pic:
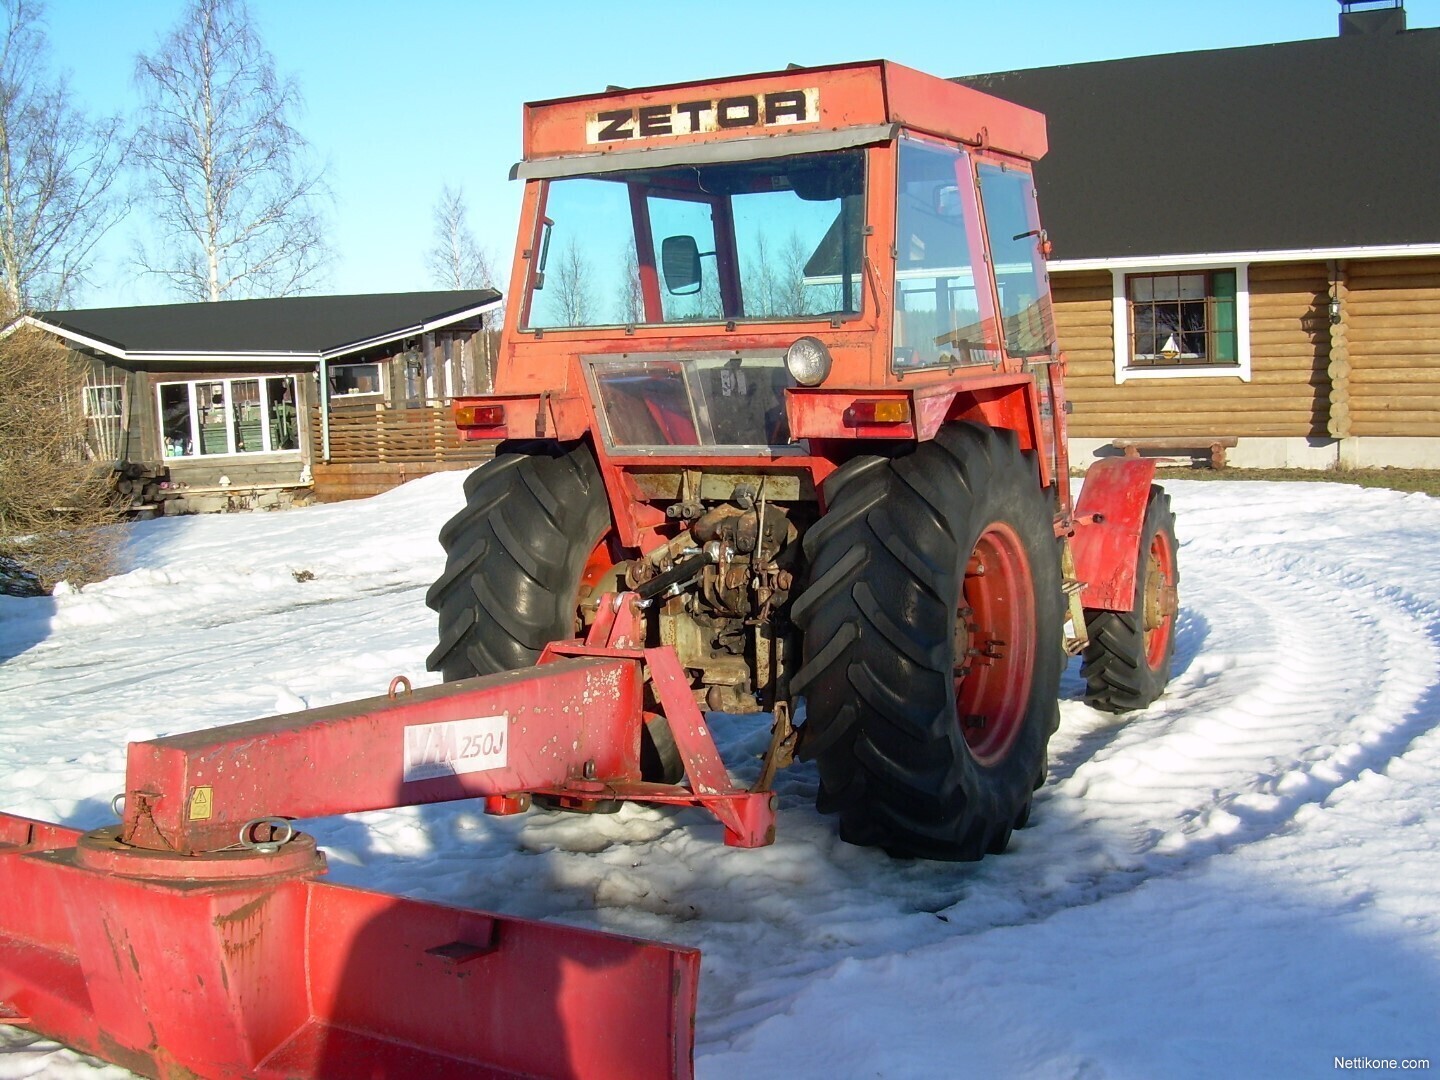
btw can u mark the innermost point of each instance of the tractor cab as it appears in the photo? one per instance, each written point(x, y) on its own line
point(707, 268)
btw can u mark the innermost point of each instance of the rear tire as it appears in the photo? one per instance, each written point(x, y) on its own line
point(924, 749)
point(1127, 663)
point(515, 556)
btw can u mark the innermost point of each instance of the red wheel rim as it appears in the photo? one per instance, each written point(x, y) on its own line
point(995, 642)
point(1160, 599)
point(600, 562)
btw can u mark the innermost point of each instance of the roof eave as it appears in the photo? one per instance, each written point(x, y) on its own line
point(230, 356)
point(1221, 258)
point(410, 331)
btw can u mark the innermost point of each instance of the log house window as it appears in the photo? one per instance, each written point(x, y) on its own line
point(1179, 321)
point(1182, 319)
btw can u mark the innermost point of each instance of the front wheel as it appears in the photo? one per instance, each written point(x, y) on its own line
point(1127, 663)
point(933, 644)
point(516, 559)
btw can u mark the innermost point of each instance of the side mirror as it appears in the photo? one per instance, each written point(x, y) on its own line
point(680, 263)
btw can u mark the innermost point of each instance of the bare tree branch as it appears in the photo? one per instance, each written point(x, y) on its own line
point(456, 260)
point(237, 205)
point(57, 171)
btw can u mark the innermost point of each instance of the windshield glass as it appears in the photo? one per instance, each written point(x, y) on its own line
point(774, 239)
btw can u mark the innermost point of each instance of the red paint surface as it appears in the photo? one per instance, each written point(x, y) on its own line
point(1107, 551)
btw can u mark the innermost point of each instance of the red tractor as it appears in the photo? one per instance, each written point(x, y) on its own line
point(780, 359)
point(782, 418)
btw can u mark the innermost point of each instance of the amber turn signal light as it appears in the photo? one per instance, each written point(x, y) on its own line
point(881, 411)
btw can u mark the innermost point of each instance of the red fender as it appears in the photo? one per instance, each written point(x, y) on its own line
point(1108, 518)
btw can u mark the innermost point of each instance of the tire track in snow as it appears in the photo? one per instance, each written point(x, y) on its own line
point(1308, 676)
point(1326, 679)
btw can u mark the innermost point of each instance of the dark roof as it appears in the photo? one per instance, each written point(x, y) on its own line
point(1307, 144)
point(309, 325)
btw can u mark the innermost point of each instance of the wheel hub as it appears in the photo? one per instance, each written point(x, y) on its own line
point(1162, 599)
point(994, 644)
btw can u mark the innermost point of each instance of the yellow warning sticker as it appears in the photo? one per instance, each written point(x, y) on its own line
point(202, 803)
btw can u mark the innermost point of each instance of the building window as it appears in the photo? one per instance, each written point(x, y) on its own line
point(1183, 318)
point(1174, 322)
point(214, 417)
point(348, 379)
point(103, 402)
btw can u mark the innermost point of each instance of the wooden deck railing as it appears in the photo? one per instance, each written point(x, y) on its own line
point(374, 448)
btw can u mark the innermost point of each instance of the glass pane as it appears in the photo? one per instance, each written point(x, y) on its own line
point(685, 217)
point(1145, 343)
point(1142, 288)
point(584, 253)
point(283, 423)
point(102, 401)
point(245, 409)
point(776, 238)
point(354, 379)
point(210, 399)
point(745, 400)
point(1013, 223)
point(1192, 286)
point(939, 319)
point(1167, 287)
point(1168, 343)
point(175, 419)
point(800, 256)
point(647, 404)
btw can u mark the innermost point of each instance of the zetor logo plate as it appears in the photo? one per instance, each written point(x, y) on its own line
point(779, 108)
point(455, 747)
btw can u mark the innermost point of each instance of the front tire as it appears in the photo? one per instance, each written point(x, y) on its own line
point(1127, 663)
point(515, 559)
point(932, 644)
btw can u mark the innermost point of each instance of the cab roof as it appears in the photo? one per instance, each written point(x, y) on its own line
point(867, 100)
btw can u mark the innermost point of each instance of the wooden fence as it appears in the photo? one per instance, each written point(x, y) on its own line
point(374, 448)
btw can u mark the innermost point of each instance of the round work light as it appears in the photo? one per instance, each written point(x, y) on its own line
point(808, 361)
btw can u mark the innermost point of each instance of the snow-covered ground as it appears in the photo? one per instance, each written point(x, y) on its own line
point(1239, 881)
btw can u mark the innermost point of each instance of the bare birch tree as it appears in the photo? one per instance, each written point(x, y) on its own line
point(630, 296)
point(57, 172)
point(570, 280)
point(236, 201)
point(457, 261)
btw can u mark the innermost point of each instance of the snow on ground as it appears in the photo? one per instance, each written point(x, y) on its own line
point(1238, 881)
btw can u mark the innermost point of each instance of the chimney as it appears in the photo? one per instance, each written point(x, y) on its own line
point(1372, 17)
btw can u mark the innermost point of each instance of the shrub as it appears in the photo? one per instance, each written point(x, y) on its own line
point(58, 513)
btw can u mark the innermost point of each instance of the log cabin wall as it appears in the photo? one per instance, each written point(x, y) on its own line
point(1288, 392)
point(1391, 333)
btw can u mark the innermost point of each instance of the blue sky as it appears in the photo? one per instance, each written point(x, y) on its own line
point(401, 98)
